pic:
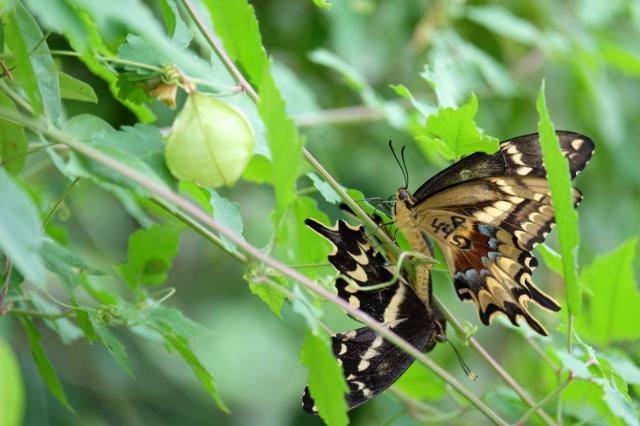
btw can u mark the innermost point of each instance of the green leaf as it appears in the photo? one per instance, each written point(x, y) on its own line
point(306, 309)
point(235, 23)
point(284, 142)
point(181, 345)
point(47, 372)
point(326, 190)
point(624, 367)
point(140, 147)
point(454, 132)
point(425, 109)
point(12, 395)
point(322, 4)
point(273, 297)
point(20, 230)
point(557, 168)
point(297, 243)
point(13, 139)
point(175, 319)
point(62, 18)
point(551, 258)
point(612, 312)
point(227, 214)
point(65, 264)
point(501, 21)
point(151, 252)
point(620, 406)
point(116, 349)
point(573, 364)
point(326, 381)
point(35, 67)
point(77, 90)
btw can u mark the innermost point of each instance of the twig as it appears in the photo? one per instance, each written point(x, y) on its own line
point(504, 375)
point(545, 400)
point(337, 116)
point(165, 193)
point(59, 201)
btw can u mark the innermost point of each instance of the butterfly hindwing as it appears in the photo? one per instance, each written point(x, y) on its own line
point(370, 363)
point(487, 212)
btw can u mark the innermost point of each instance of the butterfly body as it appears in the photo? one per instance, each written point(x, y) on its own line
point(487, 212)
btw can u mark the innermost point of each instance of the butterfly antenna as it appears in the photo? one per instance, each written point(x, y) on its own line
point(470, 374)
point(393, 151)
point(405, 169)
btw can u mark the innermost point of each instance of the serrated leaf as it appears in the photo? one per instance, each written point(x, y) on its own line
point(557, 168)
point(612, 313)
point(35, 68)
point(151, 252)
point(327, 192)
point(12, 395)
point(116, 349)
point(63, 327)
point(454, 132)
point(13, 140)
point(181, 346)
point(176, 320)
point(20, 230)
point(624, 367)
point(326, 381)
point(551, 258)
point(227, 214)
point(273, 297)
point(297, 243)
point(284, 142)
point(140, 147)
point(61, 17)
point(573, 364)
point(619, 405)
point(303, 306)
point(65, 264)
point(77, 90)
point(423, 108)
point(47, 372)
point(235, 23)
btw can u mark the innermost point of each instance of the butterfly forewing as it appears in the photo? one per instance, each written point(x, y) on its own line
point(520, 156)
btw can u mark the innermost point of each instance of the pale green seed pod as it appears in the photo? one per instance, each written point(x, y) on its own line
point(210, 142)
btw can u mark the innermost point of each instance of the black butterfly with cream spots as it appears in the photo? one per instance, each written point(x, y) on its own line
point(487, 212)
point(370, 363)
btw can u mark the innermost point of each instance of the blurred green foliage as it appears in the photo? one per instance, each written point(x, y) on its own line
point(353, 74)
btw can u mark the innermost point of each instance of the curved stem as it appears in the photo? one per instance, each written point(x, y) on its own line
point(504, 375)
point(59, 201)
point(249, 250)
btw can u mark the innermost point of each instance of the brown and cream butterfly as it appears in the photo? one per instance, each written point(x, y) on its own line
point(487, 212)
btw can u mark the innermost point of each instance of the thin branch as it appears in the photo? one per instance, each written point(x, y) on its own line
point(185, 204)
point(544, 401)
point(59, 201)
point(204, 232)
point(43, 315)
point(246, 86)
point(504, 375)
point(337, 116)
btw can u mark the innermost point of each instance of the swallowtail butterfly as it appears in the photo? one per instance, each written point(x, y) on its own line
point(370, 363)
point(487, 212)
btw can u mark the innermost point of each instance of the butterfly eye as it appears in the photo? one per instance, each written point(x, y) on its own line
point(402, 195)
